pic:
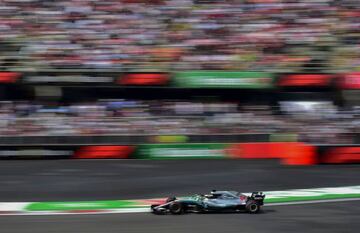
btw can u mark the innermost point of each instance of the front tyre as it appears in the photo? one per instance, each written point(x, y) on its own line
point(176, 208)
point(252, 207)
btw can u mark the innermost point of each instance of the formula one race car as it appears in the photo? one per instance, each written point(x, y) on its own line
point(216, 201)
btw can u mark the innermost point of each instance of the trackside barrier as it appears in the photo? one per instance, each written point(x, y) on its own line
point(300, 154)
point(182, 151)
point(338, 154)
point(66, 152)
point(290, 153)
point(103, 152)
point(343, 155)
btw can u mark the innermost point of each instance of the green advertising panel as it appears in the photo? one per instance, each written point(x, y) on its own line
point(183, 151)
point(224, 79)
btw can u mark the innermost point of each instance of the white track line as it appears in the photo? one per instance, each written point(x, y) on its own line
point(313, 202)
point(146, 210)
point(13, 206)
point(113, 211)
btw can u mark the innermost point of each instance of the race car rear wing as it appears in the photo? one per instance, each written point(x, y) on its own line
point(258, 197)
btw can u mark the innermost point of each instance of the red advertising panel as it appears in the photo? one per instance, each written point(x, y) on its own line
point(144, 79)
point(290, 153)
point(9, 77)
point(306, 80)
point(350, 81)
point(104, 152)
point(342, 155)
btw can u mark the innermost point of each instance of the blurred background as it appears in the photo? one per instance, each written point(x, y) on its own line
point(177, 79)
point(135, 67)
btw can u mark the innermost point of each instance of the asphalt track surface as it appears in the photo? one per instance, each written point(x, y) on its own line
point(340, 217)
point(74, 180)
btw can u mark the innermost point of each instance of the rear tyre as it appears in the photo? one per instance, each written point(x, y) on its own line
point(176, 208)
point(252, 207)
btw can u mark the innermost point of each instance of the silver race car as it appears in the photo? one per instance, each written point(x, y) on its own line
point(216, 201)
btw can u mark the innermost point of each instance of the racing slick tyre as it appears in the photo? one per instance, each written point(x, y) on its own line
point(176, 208)
point(252, 207)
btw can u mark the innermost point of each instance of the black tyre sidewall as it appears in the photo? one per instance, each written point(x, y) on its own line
point(250, 207)
point(176, 208)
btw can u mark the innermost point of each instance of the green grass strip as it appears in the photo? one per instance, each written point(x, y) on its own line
point(96, 205)
point(83, 205)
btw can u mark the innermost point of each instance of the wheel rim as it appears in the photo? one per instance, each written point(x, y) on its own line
point(176, 208)
point(253, 208)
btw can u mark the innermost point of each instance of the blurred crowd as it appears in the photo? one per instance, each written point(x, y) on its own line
point(270, 35)
point(169, 117)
